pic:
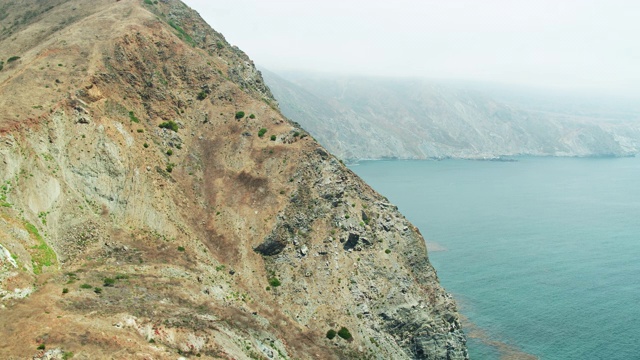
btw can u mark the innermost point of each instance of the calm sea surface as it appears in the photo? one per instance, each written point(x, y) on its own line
point(542, 254)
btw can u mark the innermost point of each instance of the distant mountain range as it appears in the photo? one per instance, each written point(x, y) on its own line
point(376, 118)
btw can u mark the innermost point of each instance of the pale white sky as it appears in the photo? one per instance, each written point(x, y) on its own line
point(574, 44)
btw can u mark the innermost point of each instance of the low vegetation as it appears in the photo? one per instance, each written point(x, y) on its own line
point(4, 190)
point(170, 125)
point(239, 115)
point(42, 255)
point(133, 117)
point(262, 132)
point(344, 333)
point(182, 34)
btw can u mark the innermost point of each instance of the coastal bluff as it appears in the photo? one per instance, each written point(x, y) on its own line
point(156, 204)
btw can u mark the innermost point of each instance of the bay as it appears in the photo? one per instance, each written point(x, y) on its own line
point(541, 254)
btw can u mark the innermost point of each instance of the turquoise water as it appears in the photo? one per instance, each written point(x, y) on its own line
point(542, 254)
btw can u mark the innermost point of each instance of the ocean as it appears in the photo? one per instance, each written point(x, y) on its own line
point(542, 254)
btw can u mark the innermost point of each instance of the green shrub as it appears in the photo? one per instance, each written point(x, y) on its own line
point(180, 248)
point(97, 290)
point(170, 167)
point(67, 355)
point(65, 290)
point(12, 59)
point(148, 2)
point(85, 286)
point(169, 152)
point(296, 134)
point(252, 116)
point(108, 282)
point(1, 65)
point(145, 145)
point(274, 282)
point(387, 251)
point(344, 333)
point(133, 118)
point(41, 347)
point(239, 115)
point(262, 132)
point(331, 334)
point(273, 138)
point(202, 95)
point(219, 45)
point(140, 130)
point(171, 125)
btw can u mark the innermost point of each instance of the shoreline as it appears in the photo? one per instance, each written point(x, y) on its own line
point(506, 351)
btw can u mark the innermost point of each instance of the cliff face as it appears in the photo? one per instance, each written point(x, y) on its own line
point(369, 118)
point(155, 202)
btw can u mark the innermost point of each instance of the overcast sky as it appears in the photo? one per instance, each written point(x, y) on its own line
point(576, 44)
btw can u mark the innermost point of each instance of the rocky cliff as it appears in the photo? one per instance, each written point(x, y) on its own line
point(155, 204)
point(375, 118)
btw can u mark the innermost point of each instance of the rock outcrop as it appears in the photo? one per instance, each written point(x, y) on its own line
point(155, 203)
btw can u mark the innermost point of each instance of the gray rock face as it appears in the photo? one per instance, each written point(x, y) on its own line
point(391, 287)
point(422, 338)
point(366, 118)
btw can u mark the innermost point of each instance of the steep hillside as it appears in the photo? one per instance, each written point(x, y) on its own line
point(156, 204)
point(369, 118)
